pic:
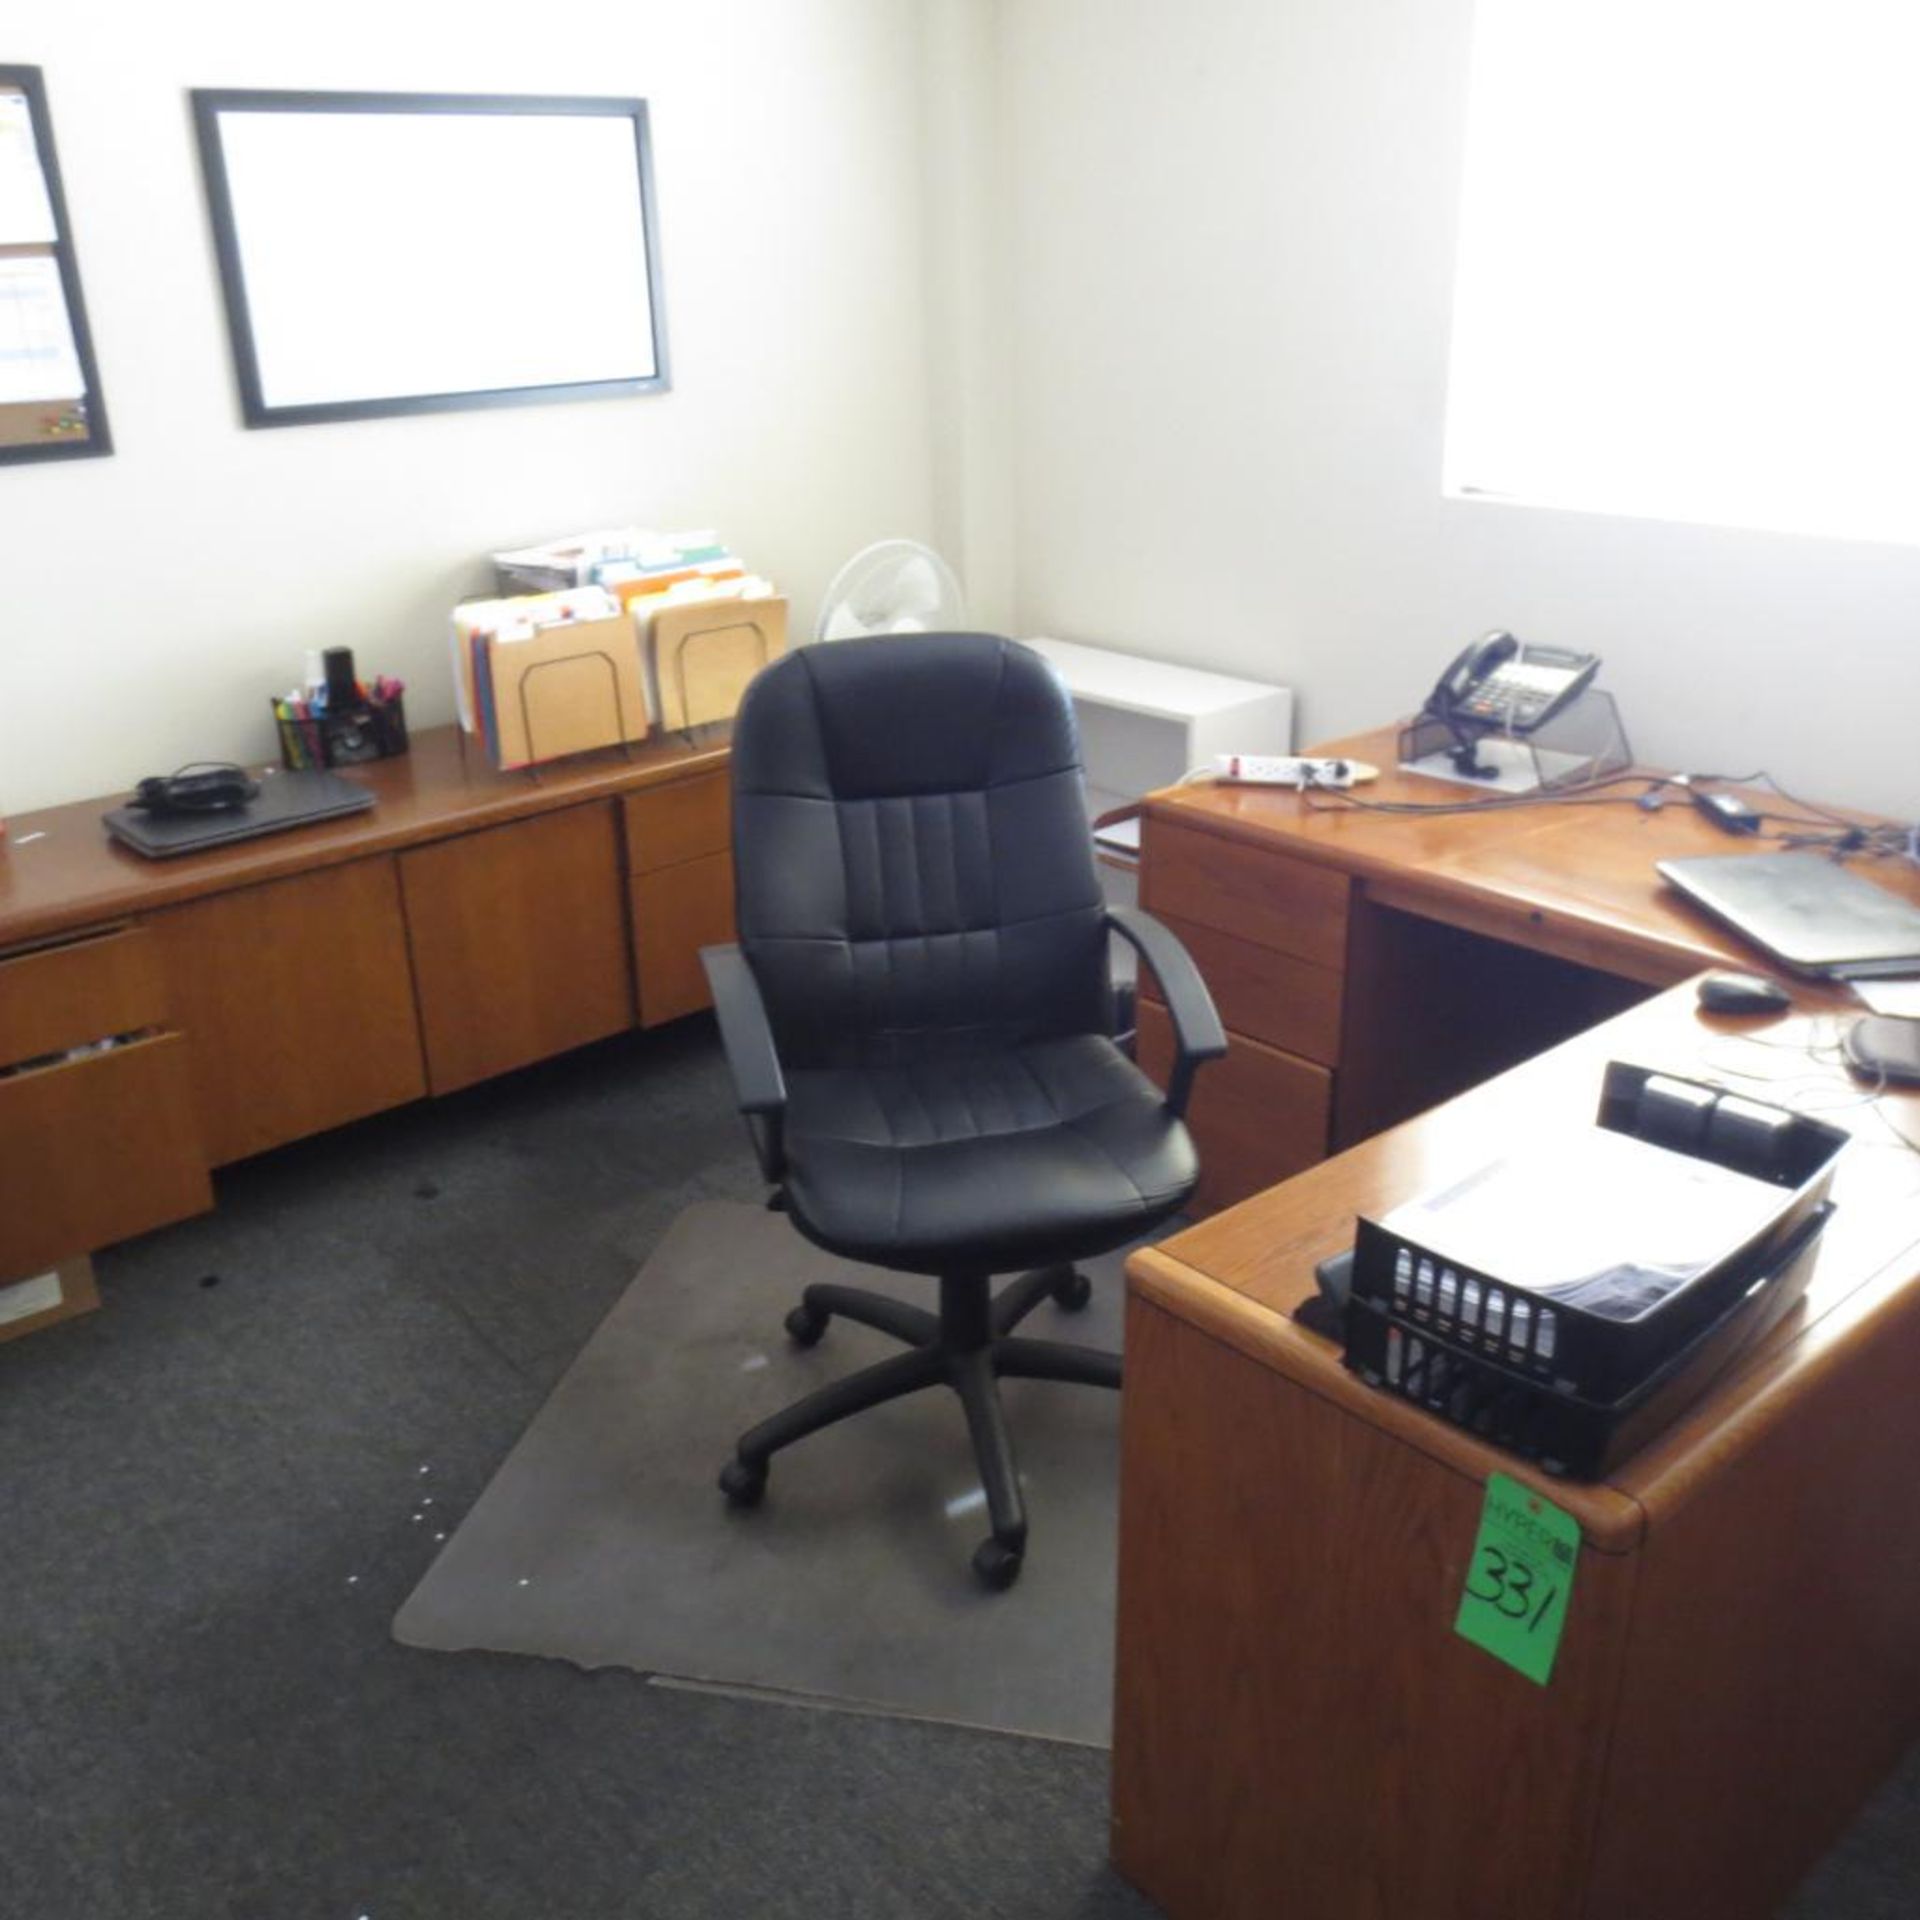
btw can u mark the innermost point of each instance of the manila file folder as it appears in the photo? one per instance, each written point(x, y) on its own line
point(568, 689)
point(705, 652)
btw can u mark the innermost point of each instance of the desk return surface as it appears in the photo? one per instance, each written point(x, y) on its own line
point(472, 922)
point(1299, 1730)
point(1369, 965)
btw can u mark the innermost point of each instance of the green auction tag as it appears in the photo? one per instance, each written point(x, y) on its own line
point(1515, 1601)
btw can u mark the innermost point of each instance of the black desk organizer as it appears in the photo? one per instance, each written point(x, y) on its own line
point(1573, 1390)
point(369, 729)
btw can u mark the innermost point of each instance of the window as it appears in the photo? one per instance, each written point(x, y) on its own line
point(1688, 280)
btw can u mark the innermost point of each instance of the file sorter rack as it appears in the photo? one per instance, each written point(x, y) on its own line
point(1565, 1432)
point(623, 724)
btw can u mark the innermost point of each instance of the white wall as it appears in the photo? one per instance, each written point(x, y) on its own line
point(967, 252)
point(1139, 313)
point(1232, 231)
point(151, 602)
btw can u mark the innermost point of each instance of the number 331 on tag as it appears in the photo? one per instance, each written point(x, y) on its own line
point(1520, 1578)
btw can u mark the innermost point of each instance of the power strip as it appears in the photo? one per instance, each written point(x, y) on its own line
point(1289, 770)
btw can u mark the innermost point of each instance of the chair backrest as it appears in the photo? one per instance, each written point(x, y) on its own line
point(913, 870)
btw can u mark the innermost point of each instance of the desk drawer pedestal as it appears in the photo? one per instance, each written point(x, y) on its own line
point(679, 891)
point(98, 1138)
point(1269, 936)
point(1256, 1116)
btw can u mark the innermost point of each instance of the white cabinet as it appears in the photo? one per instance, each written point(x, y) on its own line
point(1143, 723)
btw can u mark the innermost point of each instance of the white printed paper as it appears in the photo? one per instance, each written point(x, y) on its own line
point(38, 360)
point(26, 213)
point(1594, 1218)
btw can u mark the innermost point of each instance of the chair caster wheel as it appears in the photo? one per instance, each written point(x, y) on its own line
point(804, 1326)
point(1071, 1293)
point(996, 1565)
point(743, 1482)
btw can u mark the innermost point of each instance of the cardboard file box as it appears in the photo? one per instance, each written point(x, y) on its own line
point(42, 1299)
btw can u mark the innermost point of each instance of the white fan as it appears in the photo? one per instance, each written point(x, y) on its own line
point(893, 586)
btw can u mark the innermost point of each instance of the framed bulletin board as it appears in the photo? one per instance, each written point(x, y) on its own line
point(50, 404)
point(406, 253)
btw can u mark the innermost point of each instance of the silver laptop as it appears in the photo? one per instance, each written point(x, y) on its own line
point(1806, 910)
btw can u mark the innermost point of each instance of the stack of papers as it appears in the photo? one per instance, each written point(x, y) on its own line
point(1593, 1219)
point(669, 628)
point(606, 556)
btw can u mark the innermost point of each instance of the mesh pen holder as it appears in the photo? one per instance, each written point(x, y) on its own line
point(370, 729)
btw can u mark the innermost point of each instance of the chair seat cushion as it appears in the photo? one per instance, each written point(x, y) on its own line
point(984, 1160)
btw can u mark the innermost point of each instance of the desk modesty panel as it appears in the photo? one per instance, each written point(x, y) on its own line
point(1368, 965)
point(161, 1018)
point(1298, 1727)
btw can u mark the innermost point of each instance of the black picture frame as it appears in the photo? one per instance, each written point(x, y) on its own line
point(253, 356)
point(62, 444)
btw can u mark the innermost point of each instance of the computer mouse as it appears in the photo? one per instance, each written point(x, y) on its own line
point(1741, 993)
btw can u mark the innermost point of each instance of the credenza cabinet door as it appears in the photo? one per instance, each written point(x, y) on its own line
point(519, 938)
point(677, 911)
point(297, 1000)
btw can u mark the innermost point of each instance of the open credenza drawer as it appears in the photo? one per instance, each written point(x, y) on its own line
point(98, 1134)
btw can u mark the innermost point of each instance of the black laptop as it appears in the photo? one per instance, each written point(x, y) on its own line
point(285, 800)
point(1806, 910)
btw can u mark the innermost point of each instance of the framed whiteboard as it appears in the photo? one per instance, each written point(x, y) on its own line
point(50, 404)
point(408, 253)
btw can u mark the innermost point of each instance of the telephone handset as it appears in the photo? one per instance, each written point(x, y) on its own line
point(1497, 683)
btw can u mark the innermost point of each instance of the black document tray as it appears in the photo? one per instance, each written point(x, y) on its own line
point(1565, 1433)
point(1473, 1347)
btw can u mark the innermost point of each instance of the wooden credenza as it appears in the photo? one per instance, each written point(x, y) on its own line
point(160, 1019)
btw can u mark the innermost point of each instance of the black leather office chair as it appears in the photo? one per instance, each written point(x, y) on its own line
point(918, 1017)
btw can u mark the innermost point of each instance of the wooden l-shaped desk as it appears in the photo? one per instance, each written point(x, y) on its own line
point(1369, 964)
point(1298, 1729)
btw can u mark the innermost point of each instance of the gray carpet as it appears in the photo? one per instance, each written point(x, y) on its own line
point(604, 1541)
point(205, 1494)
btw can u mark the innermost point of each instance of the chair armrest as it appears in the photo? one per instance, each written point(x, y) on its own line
point(1197, 1033)
point(747, 1039)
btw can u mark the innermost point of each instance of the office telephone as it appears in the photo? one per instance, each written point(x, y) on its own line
point(1498, 684)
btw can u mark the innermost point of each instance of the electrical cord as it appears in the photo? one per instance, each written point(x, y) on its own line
point(1826, 1050)
point(1579, 794)
point(1828, 832)
point(202, 786)
point(1812, 828)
